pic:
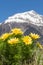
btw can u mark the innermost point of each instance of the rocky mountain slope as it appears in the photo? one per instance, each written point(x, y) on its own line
point(29, 21)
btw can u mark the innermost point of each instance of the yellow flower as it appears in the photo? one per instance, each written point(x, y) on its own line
point(13, 41)
point(34, 36)
point(27, 40)
point(17, 31)
point(5, 36)
point(39, 45)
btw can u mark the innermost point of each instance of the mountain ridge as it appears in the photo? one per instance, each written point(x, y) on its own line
point(32, 16)
point(24, 18)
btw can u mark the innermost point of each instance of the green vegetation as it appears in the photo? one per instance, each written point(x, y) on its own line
point(17, 49)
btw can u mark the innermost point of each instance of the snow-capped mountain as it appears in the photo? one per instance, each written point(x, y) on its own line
point(29, 21)
point(27, 17)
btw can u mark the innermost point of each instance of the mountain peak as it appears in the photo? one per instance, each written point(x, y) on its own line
point(32, 12)
point(28, 17)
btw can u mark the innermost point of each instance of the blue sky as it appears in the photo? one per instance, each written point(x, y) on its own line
point(11, 7)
